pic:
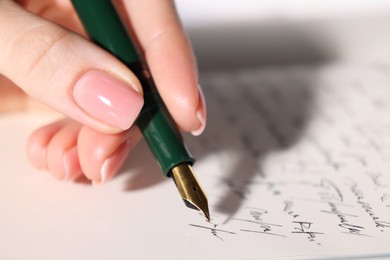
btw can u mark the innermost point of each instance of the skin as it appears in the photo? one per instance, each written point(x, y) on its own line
point(44, 52)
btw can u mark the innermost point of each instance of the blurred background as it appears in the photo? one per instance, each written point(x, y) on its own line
point(228, 34)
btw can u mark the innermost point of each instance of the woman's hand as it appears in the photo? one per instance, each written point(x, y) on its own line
point(43, 55)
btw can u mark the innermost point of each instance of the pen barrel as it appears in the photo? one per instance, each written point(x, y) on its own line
point(158, 127)
point(106, 29)
point(103, 24)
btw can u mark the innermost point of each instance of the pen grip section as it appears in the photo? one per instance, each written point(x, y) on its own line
point(158, 127)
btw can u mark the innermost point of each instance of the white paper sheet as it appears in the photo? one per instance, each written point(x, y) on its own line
point(295, 162)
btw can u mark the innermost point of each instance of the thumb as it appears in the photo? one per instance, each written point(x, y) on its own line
point(66, 71)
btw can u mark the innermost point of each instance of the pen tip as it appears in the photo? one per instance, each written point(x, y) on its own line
point(202, 208)
point(190, 189)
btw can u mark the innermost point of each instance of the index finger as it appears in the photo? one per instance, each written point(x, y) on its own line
point(170, 58)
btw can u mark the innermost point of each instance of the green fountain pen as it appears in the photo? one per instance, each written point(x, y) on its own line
point(103, 24)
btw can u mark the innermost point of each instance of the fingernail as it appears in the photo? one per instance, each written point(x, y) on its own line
point(112, 164)
point(200, 113)
point(71, 164)
point(108, 99)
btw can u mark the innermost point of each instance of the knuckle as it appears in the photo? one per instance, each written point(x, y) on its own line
point(36, 49)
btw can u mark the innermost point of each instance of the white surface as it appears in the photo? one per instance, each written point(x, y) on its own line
point(230, 33)
point(283, 147)
point(205, 13)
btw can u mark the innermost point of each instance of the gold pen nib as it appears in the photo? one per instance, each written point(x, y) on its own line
point(189, 189)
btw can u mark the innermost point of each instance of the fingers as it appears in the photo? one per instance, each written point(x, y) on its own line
point(67, 72)
point(101, 155)
point(11, 97)
point(61, 152)
point(60, 12)
point(170, 58)
point(66, 149)
point(54, 148)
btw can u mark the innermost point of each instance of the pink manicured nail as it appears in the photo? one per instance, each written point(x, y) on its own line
point(71, 164)
point(108, 99)
point(112, 164)
point(200, 113)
